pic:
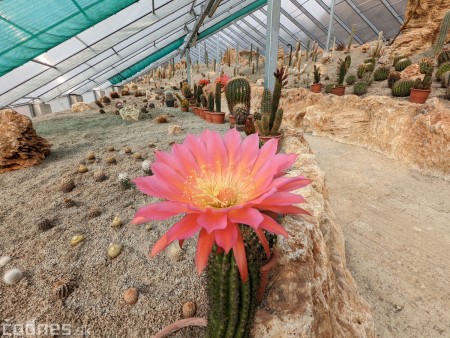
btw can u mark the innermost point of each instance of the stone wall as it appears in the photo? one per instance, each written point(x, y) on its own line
point(312, 293)
point(418, 135)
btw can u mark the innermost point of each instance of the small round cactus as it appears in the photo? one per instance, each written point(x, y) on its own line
point(393, 77)
point(188, 310)
point(82, 169)
point(443, 68)
point(360, 88)
point(146, 167)
point(114, 250)
point(351, 79)
point(402, 64)
point(99, 176)
point(131, 296)
point(62, 289)
point(328, 88)
point(381, 74)
point(94, 212)
point(402, 88)
point(67, 185)
point(124, 181)
point(77, 239)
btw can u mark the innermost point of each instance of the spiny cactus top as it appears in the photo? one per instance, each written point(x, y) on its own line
point(218, 183)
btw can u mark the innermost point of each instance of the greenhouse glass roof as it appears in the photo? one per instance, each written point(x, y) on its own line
point(50, 48)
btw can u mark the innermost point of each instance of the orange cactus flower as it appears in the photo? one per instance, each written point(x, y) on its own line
point(218, 183)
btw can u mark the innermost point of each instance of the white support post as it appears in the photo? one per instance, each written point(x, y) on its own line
point(272, 37)
point(330, 25)
point(218, 53)
point(188, 65)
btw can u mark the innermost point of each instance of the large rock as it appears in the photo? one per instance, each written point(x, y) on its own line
point(20, 146)
point(80, 107)
point(418, 135)
point(131, 113)
point(423, 19)
point(312, 293)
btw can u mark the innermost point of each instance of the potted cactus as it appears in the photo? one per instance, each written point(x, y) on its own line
point(316, 87)
point(169, 97)
point(271, 116)
point(204, 106)
point(343, 67)
point(210, 107)
point(237, 94)
point(218, 117)
point(420, 90)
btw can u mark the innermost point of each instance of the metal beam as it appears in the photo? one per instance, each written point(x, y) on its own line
point(363, 16)
point(43, 63)
point(192, 36)
point(309, 16)
point(272, 38)
point(188, 66)
point(300, 26)
point(392, 11)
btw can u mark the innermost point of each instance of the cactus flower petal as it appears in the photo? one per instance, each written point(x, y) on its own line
point(218, 183)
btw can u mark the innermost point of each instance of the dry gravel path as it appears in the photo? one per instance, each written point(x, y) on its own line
point(396, 224)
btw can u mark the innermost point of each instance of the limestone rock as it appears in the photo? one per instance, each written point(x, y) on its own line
point(131, 113)
point(260, 82)
point(20, 146)
point(80, 107)
point(411, 72)
point(313, 293)
point(174, 129)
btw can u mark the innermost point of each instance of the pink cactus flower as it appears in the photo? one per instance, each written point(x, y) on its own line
point(218, 183)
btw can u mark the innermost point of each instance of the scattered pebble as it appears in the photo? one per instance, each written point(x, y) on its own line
point(12, 276)
point(67, 185)
point(90, 156)
point(94, 212)
point(188, 310)
point(111, 148)
point(77, 239)
point(82, 169)
point(114, 250)
point(45, 224)
point(127, 150)
point(99, 176)
point(131, 296)
point(111, 160)
point(117, 222)
point(4, 260)
point(137, 156)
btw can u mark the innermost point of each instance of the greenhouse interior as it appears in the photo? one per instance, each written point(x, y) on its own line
point(225, 168)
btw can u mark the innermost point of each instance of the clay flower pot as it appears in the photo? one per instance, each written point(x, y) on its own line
point(316, 87)
point(208, 116)
point(202, 113)
point(218, 118)
point(192, 108)
point(264, 139)
point(184, 109)
point(419, 95)
point(338, 90)
point(231, 119)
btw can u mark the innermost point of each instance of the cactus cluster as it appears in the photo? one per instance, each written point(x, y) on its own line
point(317, 75)
point(375, 48)
point(393, 78)
point(424, 84)
point(351, 79)
point(443, 31)
point(443, 68)
point(402, 64)
point(237, 94)
point(443, 56)
point(342, 69)
point(271, 115)
point(365, 68)
point(360, 88)
point(426, 66)
point(381, 73)
point(233, 303)
point(186, 91)
point(402, 88)
point(328, 88)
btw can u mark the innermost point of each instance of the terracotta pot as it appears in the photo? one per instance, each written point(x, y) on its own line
point(218, 118)
point(208, 116)
point(316, 88)
point(184, 109)
point(419, 95)
point(264, 139)
point(202, 113)
point(232, 119)
point(338, 90)
point(192, 108)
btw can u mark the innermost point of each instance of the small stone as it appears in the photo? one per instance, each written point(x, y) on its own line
point(4, 260)
point(131, 296)
point(68, 202)
point(111, 160)
point(114, 250)
point(152, 145)
point(67, 185)
point(127, 150)
point(171, 143)
point(77, 239)
point(45, 224)
point(111, 148)
point(90, 156)
point(82, 169)
point(137, 156)
point(94, 212)
point(12, 276)
point(148, 227)
point(117, 222)
point(99, 176)
point(188, 310)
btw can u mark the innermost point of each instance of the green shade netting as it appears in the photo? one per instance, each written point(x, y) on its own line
point(130, 71)
point(144, 63)
point(29, 28)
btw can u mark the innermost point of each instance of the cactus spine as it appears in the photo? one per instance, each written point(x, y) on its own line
point(218, 97)
point(443, 31)
point(402, 88)
point(271, 118)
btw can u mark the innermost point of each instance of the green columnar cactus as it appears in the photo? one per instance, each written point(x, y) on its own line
point(203, 101)
point(232, 302)
point(237, 92)
point(445, 67)
point(314, 51)
point(253, 68)
point(445, 80)
point(211, 102)
point(398, 58)
point(351, 79)
point(218, 97)
point(229, 57)
point(237, 55)
point(308, 43)
point(250, 55)
point(375, 48)
point(370, 60)
point(402, 88)
point(350, 39)
point(195, 93)
point(393, 77)
point(206, 60)
point(257, 59)
point(272, 117)
point(361, 70)
point(186, 91)
point(424, 84)
point(342, 70)
point(360, 88)
point(443, 56)
point(381, 73)
point(443, 31)
point(348, 61)
point(316, 75)
point(214, 64)
point(402, 64)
